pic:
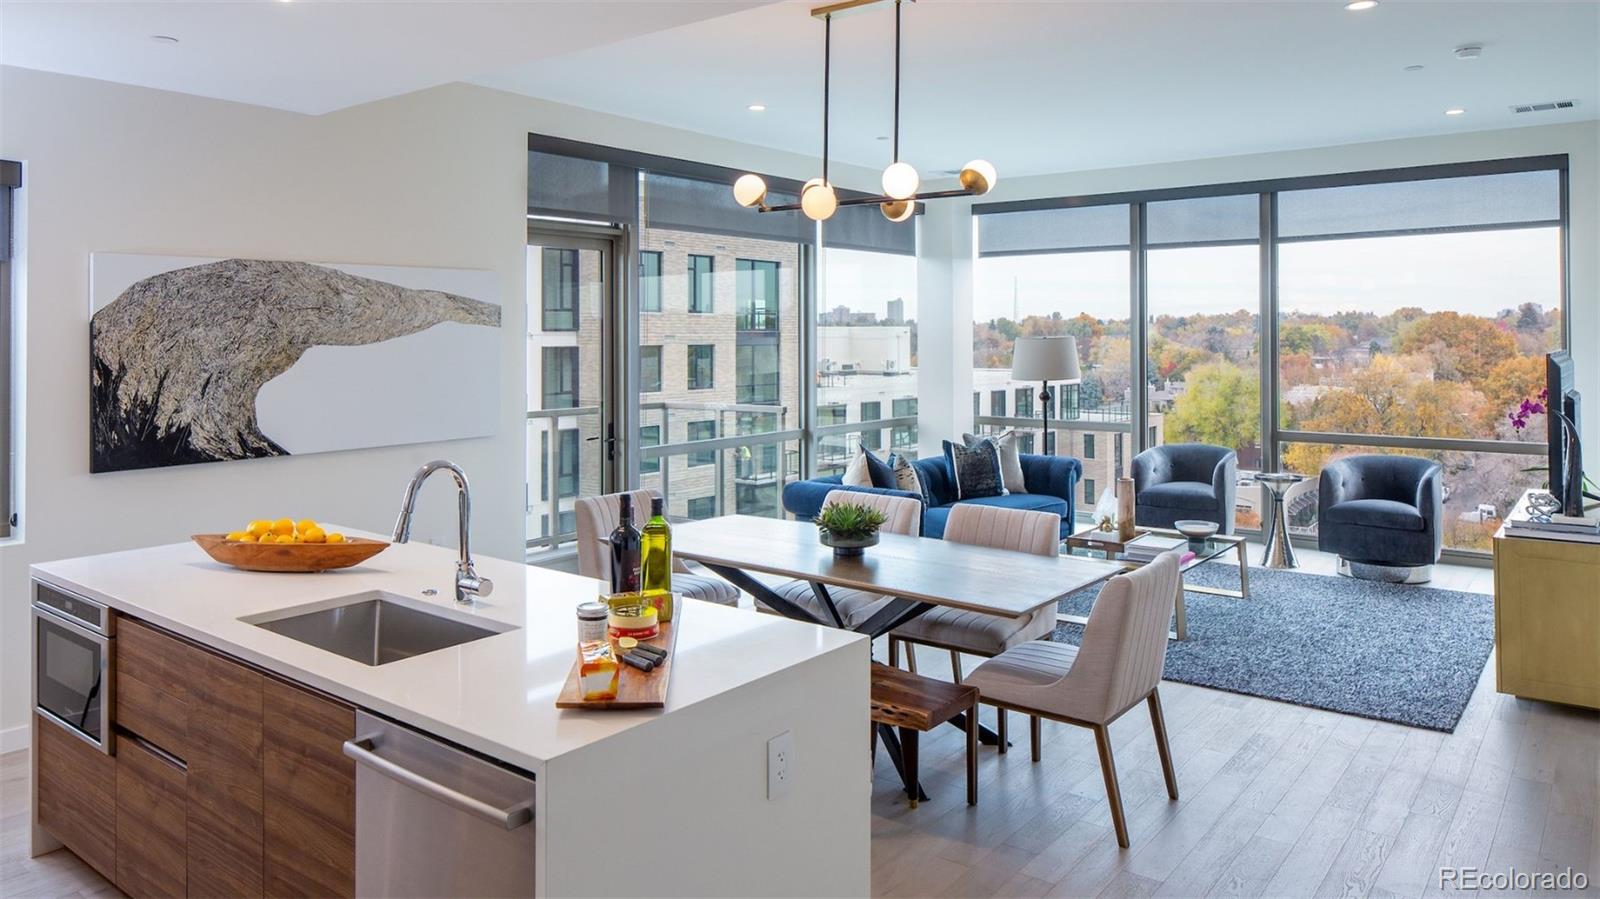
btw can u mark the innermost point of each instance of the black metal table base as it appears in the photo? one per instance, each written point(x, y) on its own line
point(894, 613)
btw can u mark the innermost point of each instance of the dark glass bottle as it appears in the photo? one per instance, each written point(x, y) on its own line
point(625, 551)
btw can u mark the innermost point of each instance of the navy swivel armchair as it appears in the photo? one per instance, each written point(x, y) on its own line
point(1383, 515)
point(1182, 481)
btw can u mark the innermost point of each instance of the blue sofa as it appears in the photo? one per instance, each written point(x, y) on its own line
point(1051, 483)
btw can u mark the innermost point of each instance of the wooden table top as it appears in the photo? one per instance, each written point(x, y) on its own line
point(976, 578)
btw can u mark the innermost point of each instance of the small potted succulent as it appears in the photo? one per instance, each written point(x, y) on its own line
point(849, 528)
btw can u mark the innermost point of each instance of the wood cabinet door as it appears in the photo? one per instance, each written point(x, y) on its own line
point(310, 788)
point(152, 806)
point(77, 795)
point(154, 674)
point(225, 812)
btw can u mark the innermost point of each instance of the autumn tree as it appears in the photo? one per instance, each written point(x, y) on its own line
point(1221, 405)
point(1506, 386)
point(1462, 347)
point(1390, 396)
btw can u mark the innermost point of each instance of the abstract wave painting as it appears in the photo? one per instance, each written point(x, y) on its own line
point(208, 360)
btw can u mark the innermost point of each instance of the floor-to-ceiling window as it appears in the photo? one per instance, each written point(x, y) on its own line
point(1406, 312)
point(1203, 346)
point(866, 337)
point(1421, 309)
point(1049, 273)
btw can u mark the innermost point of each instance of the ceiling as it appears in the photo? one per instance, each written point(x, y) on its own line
point(1059, 86)
point(1032, 85)
point(316, 56)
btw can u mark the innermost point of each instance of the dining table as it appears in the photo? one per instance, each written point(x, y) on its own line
point(918, 574)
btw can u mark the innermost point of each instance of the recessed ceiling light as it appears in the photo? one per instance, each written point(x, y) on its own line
point(883, 137)
point(757, 107)
point(1414, 68)
point(1470, 51)
point(1455, 110)
point(163, 38)
point(1358, 5)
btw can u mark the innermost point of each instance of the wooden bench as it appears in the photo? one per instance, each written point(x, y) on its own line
point(913, 704)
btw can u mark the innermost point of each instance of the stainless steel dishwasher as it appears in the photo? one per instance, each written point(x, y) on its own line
point(434, 820)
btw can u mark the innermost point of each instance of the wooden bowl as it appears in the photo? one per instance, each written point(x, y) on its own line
point(289, 556)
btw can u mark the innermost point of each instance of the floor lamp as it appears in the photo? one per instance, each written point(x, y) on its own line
point(1046, 359)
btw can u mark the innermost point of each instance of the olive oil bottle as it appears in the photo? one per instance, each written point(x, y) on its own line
point(656, 546)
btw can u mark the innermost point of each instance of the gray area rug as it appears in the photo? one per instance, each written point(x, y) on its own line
point(1411, 655)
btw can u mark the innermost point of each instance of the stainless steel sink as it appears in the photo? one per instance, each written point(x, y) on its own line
point(376, 628)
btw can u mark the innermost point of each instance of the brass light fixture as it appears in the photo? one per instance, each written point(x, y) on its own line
point(818, 200)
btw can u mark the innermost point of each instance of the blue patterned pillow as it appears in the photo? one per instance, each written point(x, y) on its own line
point(908, 478)
point(880, 471)
point(976, 469)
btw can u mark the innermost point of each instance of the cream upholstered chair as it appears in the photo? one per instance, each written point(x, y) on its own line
point(598, 517)
point(854, 606)
point(1117, 667)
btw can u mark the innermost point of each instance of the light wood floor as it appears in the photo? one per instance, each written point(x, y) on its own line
point(1277, 800)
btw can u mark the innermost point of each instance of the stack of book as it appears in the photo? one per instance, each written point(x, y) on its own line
point(1529, 519)
point(1148, 546)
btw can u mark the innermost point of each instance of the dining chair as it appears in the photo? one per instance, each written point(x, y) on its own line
point(904, 516)
point(976, 633)
point(1117, 666)
point(599, 515)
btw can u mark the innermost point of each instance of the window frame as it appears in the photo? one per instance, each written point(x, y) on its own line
point(650, 284)
point(1274, 435)
point(546, 354)
point(700, 458)
point(702, 282)
point(692, 376)
point(569, 257)
point(644, 384)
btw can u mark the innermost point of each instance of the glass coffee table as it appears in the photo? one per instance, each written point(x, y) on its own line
point(1089, 544)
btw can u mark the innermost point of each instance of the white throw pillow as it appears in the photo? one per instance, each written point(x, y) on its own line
point(1010, 459)
point(857, 474)
point(906, 477)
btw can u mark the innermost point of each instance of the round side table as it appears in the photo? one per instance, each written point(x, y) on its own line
point(1279, 551)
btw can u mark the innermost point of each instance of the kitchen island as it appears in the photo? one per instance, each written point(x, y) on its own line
point(660, 802)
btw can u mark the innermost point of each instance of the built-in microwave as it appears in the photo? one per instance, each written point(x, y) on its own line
point(72, 680)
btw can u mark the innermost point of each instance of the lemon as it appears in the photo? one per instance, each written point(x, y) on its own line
point(237, 536)
point(285, 538)
point(313, 534)
point(335, 537)
point(259, 528)
point(283, 526)
point(247, 538)
point(305, 524)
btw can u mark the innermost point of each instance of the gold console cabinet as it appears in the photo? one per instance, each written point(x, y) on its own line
point(1547, 619)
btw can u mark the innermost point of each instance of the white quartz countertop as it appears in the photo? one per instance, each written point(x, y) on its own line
point(495, 695)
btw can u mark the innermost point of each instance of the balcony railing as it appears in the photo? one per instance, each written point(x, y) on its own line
point(756, 320)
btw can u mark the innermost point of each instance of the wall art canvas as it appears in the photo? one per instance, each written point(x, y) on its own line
point(208, 360)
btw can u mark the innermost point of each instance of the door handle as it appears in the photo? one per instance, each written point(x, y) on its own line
point(361, 749)
point(610, 442)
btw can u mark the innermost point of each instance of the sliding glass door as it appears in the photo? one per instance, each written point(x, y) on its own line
point(572, 451)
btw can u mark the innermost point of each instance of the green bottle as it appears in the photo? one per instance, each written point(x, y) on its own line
point(656, 582)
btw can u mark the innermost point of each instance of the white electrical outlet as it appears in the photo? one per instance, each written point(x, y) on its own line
point(780, 764)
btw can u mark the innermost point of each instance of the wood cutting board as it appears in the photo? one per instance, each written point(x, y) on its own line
point(635, 689)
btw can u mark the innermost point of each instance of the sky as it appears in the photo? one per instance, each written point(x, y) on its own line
point(866, 282)
point(1477, 272)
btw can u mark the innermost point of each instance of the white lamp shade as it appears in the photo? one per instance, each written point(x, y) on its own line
point(818, 201)
point(979, 176)
point(1045, 359)
point(749, 190)
point(900, 180)
point(898, 210)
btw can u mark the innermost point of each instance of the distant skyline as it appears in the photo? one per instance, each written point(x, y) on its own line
point(1479, 272)
point(866, 281)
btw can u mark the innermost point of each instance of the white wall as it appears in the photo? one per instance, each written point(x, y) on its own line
point(436, 178)
point(1580, 141)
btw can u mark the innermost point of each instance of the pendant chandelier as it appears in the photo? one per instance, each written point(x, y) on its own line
point(818, 200)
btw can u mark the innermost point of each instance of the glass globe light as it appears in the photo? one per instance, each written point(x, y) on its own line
point(898, 210)
point(818, 201)
point(749, 190)
point(979, 177)
point(900, 181)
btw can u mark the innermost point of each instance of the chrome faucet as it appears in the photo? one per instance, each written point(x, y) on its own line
point(468, 583)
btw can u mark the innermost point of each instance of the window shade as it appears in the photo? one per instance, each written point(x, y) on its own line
point(691, 204)
point(1054, 230)
point(865, 228)
point(1203, 221)
point(570, 187)
point(1440, 204)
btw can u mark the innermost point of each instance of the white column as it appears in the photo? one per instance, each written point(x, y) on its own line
point(944, 323)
